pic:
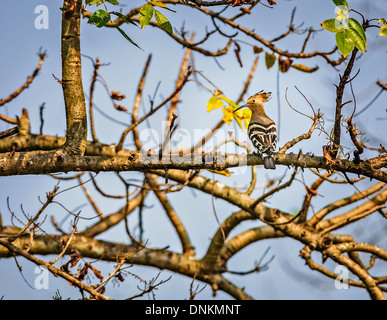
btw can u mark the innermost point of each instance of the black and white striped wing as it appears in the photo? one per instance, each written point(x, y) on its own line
point(263, 137)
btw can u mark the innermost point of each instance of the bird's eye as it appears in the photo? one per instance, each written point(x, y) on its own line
point(253, 100)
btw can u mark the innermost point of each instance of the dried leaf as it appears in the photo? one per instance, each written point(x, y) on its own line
point(270, 183)
point(327, 155)
point(96, 272)
point(83, 272)
point(75, 256)
point(304, 68)
point(101, 290)
point(257, 49)
point(115, 95)
point(269, 59)
point(313, 192)
point(120, 277)
point(284, 65)
point(119, 108)
point(237, 51)
point(238, 2)
point(245, 10)
point(65, 267)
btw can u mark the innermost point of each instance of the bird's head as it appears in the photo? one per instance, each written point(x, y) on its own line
point(259, 97)
point(256, 100)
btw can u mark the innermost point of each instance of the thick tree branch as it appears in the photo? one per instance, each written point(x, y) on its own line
point(321, 214)
point(43, 162)
point(15, 250)
point(108, 251)
point(71, 81)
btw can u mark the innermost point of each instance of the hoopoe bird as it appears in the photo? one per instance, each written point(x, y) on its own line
point(262, 130)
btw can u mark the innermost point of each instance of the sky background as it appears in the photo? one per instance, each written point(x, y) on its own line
point(287, 277)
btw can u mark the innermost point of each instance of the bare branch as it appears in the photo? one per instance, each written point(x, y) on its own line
point(12, 96)
point(174, 93)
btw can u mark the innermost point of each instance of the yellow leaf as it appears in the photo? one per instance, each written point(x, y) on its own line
point(214, 103)
point(243, 115)
point(228, 115)
point(229, 101)
point(383, 30)
point(161, 5)
point(303, 68)
point(223, 172)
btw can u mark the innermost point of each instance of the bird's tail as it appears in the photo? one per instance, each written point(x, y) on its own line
point(268, 161)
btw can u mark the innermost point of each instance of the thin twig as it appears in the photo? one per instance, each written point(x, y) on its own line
point(8, 133)
point(50, 197)
point(130, 128)
point(12, 96)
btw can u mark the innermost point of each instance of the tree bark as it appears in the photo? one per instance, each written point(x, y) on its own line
point(74, 98)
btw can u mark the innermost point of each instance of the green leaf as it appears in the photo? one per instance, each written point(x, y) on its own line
point(344, 42)
point(123, 17)
point(115, 2)
point(145, 15)
point(333, 25)
point(99, 18)
point(163, 22)
point(98, 15)
point(126, 37)
point(340, 3)
point(356, 32)
point(270, 59)
point(382, 20)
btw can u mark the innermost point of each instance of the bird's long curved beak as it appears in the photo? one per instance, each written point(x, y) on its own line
point(244, 106)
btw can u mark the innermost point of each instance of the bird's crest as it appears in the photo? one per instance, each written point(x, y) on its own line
point(265, 96)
